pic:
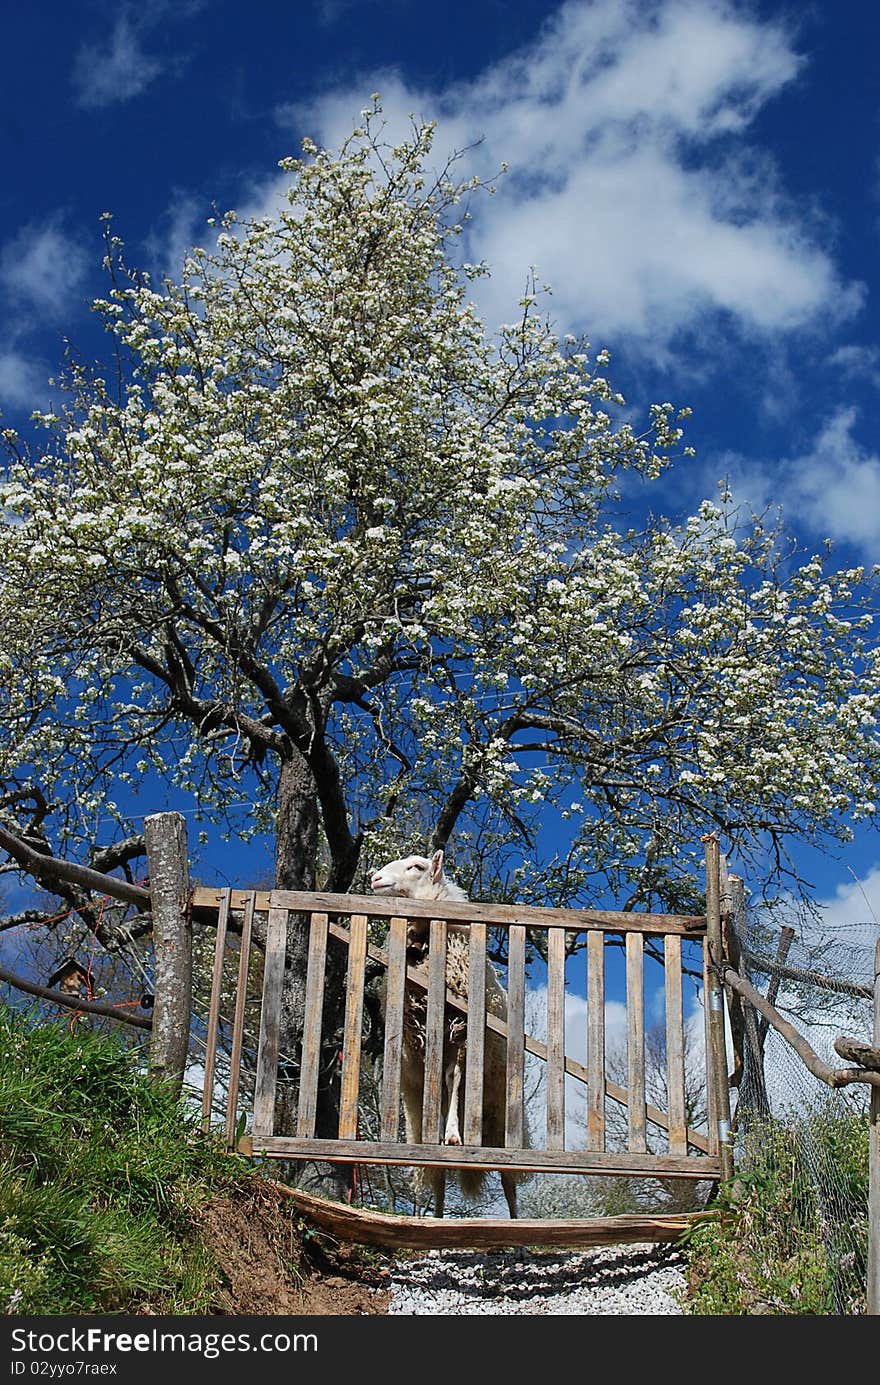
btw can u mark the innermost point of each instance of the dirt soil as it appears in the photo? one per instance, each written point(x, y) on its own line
point(272, 1262)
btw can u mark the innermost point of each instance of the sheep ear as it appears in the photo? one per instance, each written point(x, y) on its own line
point(437, 866)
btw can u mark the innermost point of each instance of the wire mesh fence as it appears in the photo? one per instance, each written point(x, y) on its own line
point(790, 1124)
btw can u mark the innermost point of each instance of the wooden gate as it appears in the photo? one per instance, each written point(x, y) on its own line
point(373, 929)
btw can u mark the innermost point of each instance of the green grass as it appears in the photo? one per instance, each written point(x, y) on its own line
point(100, 1174)
point(782, 1248)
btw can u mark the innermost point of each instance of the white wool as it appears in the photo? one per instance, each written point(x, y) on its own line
point(418, 877)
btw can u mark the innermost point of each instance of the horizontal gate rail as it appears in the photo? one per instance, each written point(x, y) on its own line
point(461, 1157)
point(575, 920)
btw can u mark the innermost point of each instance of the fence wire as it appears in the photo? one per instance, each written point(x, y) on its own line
point(820, 977)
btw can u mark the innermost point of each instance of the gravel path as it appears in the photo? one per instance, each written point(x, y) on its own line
point(638, 1279)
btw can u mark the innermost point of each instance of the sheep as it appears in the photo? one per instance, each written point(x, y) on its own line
point(419, 877)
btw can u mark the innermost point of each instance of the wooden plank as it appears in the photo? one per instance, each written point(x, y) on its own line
point(858, 1051)
point(310, 1062)
point(416, 977)
point(356, 1224)
point(352, 1029)
point(711, 1111)
point(595, 1041)
point(270, 1019)
point(467, 1157)
point(472, 1133)
point(214, 1011)
point(530, 916)
point(717, 1069)
point(394, 997)
point(432, 1100)
point(244, 957)
point(516, 1023)
point(555, 1138)
point(675, 1093)
point(635, 1042)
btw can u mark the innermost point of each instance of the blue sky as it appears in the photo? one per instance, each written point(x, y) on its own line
point(698, 181)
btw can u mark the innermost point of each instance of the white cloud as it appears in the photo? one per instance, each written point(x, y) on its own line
point(837, 486)
point(23, 383)
point(44, 268)
point(113, 71)
point(576, 1049)
point(857, 362)
point(833, 490)
point(182, 227)
point(632, 187)
point(854, 907)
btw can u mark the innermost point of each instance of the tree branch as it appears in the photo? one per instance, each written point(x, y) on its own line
point(45, 869)
point(832, 1077)
point(91, 1007)
point(108, 857)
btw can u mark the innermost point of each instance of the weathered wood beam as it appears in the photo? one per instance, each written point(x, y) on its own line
point(717, 1065)
point(858, 1051)
point(375, 906)
point(697, 1166)
point(832, 1077)
point(775, 968)
point(363, 1227)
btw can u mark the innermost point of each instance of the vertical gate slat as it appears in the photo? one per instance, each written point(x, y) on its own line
point(676, 1109)
point(354, 1014)
point(476, 1037)
point(244, 957)
point(635, 1042)
point(432, 1097)
point(718, 1045)
point(310, 1063)
point(711, 1102)
point(596, 1040)
point(270, 1021)
point(214, 1009)
point(516, 1015)
point(555, 1038)
point(395, 987)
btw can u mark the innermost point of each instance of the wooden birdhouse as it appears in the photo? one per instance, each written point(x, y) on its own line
point(71, 977)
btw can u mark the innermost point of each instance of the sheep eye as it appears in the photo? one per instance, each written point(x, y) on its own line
point(415, 866)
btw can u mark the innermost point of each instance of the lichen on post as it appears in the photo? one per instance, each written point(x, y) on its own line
point(166, 841)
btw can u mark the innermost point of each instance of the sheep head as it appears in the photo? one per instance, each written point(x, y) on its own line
point(414, 876)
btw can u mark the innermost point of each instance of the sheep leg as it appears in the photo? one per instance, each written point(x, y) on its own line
point(508, 1183)
point(454, 1070)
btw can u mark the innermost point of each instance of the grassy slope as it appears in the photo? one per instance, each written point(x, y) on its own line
point(112, 1199)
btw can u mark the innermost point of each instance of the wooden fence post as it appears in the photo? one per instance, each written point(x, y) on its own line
point(752, 1102)
point(715, 1002)
point(168, 864)
point(873, 1293)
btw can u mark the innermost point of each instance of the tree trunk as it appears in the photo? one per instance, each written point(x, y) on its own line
point(296, 858)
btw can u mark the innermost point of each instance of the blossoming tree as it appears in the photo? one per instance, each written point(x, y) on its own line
point(320, 542)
